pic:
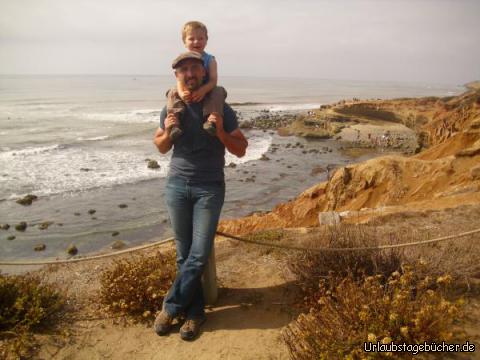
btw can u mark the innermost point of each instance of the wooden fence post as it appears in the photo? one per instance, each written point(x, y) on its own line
point(209, 280)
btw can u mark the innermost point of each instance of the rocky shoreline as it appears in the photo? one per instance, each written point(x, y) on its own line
point(354, 136)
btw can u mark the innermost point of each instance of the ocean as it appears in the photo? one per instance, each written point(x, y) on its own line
point(81, 143)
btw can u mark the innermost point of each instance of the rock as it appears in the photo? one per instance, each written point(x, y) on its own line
point(27, 200)
point(328, 218)
point(264, 158)
point(76, 214)
point(45, 225)
point(115, 233)
point(317, 170)
point(92, 211)
point(22, 226)
point(471, 151)
point(118, 245)
point(72, 250)
point(60, 224)
point(94, 218)
point(40, 247)
point(123, 206)
point(4, 226)
point(85, 169)
point(153, 164)
point(346, 175)
point(11, 237)
point(475, 173)
point(232, 165)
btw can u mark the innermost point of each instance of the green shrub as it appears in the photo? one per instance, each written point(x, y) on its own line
point(27, 304)
point(401, 308)
point(136, 287)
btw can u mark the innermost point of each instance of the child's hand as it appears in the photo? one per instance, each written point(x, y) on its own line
point(198, 95)
point(187, 96)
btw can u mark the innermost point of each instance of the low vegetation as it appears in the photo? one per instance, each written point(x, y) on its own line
point(136, 287)
point(27, 305)
point(351, 297)
point(350, 312)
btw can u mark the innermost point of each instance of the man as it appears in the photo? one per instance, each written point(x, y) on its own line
point(194, 194)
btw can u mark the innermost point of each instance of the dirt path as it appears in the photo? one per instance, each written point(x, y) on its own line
point(245, 323)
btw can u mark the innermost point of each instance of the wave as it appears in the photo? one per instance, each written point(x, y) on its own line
point(95, 138)
point(33, 150)
point(47, 171)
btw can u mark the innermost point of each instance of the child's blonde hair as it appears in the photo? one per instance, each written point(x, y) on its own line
point(193, 25)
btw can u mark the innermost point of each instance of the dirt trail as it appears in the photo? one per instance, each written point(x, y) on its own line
point(245, 323)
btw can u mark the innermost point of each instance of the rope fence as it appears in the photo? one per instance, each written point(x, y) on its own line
point(250, 241)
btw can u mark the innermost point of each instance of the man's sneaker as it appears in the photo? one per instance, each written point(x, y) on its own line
point(163, 323)
point(175, 133)
point(191, 328)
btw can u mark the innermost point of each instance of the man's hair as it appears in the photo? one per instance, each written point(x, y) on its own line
point(193, 25)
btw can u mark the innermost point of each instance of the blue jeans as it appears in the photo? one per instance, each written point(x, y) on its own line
point(194, 210)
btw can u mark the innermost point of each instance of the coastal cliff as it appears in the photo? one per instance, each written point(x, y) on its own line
point(444, 173)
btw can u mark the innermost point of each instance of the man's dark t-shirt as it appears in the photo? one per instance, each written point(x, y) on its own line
point(198, 156)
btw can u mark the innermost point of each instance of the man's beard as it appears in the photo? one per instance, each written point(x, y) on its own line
point(192, 85)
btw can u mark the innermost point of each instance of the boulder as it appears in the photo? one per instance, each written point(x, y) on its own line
point(115, 233)
point(27, 200)
point(45, 225)
point(11, 237)
point(118, 245)
point(92, 211)
point(72, 250)
point(4, 226)
point(123, 206)
point(21, 226)
point(153, 164)
point(475, 173)
point(317, 170)
point(40, 247)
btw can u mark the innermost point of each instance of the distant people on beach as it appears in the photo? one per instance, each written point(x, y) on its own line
point(195, 38)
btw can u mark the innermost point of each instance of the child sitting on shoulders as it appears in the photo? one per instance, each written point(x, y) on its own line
point(195, 37)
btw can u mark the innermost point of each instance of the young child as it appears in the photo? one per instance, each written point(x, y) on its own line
point(195, 37)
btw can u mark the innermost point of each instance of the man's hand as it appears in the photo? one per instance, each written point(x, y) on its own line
point(217, 119)
point(235, 141)
point(170, 121)
point(198, 95)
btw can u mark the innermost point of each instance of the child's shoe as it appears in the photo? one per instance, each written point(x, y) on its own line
point(210, 128)
point(175, 133)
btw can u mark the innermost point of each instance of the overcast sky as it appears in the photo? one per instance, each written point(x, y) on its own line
point(411, 40)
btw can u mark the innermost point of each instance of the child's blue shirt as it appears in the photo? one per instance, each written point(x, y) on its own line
point(207, 58)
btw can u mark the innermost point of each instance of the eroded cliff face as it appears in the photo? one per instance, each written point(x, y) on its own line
point(445, 174)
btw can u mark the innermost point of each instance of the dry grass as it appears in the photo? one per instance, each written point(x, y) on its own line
point(27, 305)
point(136, 287)
point(349, 297)
point(349, 312)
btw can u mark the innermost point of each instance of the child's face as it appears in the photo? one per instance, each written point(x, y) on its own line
point(196, 40)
